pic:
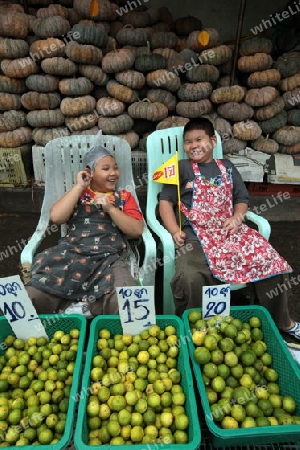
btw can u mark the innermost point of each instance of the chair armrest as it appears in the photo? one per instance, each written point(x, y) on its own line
point(263, 225)
point(147, 270)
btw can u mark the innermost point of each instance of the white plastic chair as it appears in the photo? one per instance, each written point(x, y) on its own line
point(161, 145)
point(63, 160)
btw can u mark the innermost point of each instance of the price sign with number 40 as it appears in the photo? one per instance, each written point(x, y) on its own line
point(215, 300)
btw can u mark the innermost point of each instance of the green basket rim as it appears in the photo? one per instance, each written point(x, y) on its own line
point(192, 445)
point(69, 427)
point(263, 432)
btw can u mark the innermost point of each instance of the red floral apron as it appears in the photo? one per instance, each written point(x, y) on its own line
point(241, 257)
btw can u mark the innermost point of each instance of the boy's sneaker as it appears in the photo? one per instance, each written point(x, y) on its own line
point(295, 331)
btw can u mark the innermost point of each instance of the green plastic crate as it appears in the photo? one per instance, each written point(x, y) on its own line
point(288, 381)
point(52, 323)
point(113, 324)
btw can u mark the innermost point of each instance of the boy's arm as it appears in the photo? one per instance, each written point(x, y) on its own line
point(168, 217)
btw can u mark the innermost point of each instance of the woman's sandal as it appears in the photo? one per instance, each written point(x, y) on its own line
point(295, 331)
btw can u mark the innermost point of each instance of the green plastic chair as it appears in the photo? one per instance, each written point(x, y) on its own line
point(62, 159)
point(161, 145)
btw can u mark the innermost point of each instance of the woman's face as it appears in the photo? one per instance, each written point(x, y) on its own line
point(105, 175)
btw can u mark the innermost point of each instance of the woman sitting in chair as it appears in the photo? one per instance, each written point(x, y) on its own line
point(90, 261)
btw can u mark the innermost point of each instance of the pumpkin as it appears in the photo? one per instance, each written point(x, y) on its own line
point(14, 24)
point(265, 145)
point(114, 27)
point(150, 62)
point(94, 74)
point(19, 67)
point(291, 98)
point(131, 137)
point(223, 127)
point(201, 73)
point(191, 92)
point(288, 64)
point(51, 27)
point(162, 96)
point(193, 109)
point(269, 77)
point(12, 85)
point(9, 101)
point(115, 125)
point(254, 45)
point(172, 121)
point(227, 94)
point(185, 25)
point(77, 105)
point(132, 36)
point(246, 130)
point(162, 26)
point(270, 110)
point(287, 135)
point(274, 123)
point(104, 10)
point(192, 40)
point(109, 107)
point(42, 136)
point(42, 83)
point(139, 19)
point(52, 10)
point(216, 55)
point(83, 54)
point(233, 145)
point(163, 39)
point(290, 83)
point(253, 63)
point(154, 15)
point(45, 118)
point(118, 60)
point(10, 120)
point(293, 117)
point(290, 149)
point(32, 100)
point(131, 79)
point(47, 48)
point(120, 92)
point(13, 48)
point(75, 86)
point(82, 122)
point(182, 61)
point(59, 66)
point(145, 109)
point(163, 79)
point(87, 34)
point(235, 111)
point(16, 138)
point(261, 96)
point(165, 52)
point(225, 81)
point(90, 131)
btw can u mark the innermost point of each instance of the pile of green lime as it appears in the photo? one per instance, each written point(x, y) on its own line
point(35, 383)
point(241, 384)
point(135, 391)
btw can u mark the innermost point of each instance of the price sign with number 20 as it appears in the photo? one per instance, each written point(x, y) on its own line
point(216, 300)
point(136, 308)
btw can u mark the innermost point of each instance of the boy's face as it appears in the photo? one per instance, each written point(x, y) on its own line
point(199, 146)
point(106, 175)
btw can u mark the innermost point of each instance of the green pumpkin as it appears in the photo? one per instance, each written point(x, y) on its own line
point(87, 34)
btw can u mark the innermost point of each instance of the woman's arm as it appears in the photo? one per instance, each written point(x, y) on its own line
point(63, 209)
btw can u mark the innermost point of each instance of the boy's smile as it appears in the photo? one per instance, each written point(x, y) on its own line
point(105, 175)
point(199, 146)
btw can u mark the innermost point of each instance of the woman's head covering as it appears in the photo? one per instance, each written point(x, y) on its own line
point(96, 152)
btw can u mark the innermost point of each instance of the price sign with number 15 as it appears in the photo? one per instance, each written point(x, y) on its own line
point(18, 309)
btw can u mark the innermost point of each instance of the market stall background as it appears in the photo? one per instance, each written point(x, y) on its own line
point(136, 66)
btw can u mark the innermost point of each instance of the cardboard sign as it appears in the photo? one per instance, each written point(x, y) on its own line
point(215, 300)
point(136, 308)
point(18, 309)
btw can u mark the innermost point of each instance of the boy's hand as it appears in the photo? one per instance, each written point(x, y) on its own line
point(83, 179)
point(179, 238)
point(232, 225)
point(103, 200)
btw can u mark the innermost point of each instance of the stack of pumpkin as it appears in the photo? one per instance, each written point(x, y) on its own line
point(129, 73)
